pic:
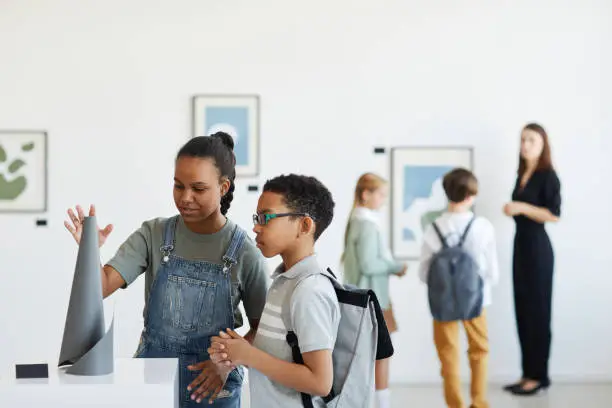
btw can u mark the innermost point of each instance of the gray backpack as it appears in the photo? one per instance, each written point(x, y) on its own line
point(362, 339)
point(455, 287)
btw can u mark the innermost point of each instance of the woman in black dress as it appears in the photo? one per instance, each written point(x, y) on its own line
point(536, 200)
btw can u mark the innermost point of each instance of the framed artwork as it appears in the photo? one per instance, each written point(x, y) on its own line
point(237, 115)
point(23, 171)
point(417, 196)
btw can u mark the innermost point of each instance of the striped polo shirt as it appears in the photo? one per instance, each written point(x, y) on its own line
point(314, 316)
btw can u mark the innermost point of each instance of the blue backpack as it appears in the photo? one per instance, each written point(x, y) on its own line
point(455, 287)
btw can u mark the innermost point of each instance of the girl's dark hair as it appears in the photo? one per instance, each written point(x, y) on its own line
point(220, 147)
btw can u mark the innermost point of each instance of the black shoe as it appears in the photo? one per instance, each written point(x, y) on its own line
point(526, 392)
point(510, 387)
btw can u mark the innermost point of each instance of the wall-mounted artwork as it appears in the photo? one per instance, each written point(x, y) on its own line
point(237, 115)
point(23, 171)
point(417, 196)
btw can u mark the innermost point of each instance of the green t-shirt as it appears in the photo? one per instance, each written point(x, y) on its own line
point(140, 253)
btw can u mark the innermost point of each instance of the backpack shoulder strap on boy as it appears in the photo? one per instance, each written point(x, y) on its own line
point(463, 236)
point(362, 339)
point(439, 234)
point(467, 229)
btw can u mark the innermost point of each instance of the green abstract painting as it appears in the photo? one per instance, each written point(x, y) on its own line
point(23, 168)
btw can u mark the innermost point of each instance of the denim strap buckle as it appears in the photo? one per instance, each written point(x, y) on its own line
point(227, 263)
point(166, 250)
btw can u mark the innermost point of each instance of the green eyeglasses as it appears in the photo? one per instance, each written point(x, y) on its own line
point(263, 219)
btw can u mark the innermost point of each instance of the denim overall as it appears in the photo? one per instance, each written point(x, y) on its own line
point(189, 302)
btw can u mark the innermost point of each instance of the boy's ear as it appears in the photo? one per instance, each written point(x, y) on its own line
point(308, 226)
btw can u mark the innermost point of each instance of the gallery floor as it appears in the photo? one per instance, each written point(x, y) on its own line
point(558, 396)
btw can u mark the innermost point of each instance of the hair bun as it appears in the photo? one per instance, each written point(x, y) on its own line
point(227, 140)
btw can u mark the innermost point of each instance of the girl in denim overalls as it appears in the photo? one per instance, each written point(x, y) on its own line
point(198, 266)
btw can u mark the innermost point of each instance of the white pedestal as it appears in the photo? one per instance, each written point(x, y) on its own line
point(135, 383)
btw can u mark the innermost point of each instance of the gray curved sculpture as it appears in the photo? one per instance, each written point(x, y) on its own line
point(85, 347)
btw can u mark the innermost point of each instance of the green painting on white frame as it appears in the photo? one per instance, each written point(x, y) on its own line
point(23, 171)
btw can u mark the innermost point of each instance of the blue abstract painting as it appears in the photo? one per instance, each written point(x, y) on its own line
point(234, 121)
point(236, 115)
point(419, 184)
point(417, 193)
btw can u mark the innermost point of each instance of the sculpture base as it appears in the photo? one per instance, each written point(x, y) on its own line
point(135, 383)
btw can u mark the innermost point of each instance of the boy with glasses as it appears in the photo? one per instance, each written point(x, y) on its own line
point(292, 213)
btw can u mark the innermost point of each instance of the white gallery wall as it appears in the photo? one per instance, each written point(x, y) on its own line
point(111, 82)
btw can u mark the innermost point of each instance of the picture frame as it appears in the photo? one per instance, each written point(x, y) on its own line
point(23, 171)
point(417, 197)
point(237, 115)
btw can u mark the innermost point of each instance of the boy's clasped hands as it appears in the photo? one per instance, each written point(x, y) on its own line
point(230, 349)
point(226, 351)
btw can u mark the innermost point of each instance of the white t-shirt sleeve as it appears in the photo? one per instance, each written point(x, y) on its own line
point(490, 253)
point(315, 314)
point(426, 254)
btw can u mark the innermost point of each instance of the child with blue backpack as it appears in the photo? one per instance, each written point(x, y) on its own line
point(459, 265)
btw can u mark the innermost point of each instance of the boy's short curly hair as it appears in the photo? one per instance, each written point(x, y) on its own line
point(304, 194)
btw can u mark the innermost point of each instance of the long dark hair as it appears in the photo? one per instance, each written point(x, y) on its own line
point(545, 160)
point(220, 147)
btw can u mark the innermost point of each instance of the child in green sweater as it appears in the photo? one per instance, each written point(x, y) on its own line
point(368, 262)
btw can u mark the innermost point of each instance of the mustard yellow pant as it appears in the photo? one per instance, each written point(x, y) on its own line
point(446, 337)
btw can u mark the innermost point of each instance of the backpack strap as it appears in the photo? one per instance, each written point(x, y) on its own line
point(467, 229)
point(297, 358)
point(439, 233)
point(384, 348)
point(292, 339)
point(331, 273)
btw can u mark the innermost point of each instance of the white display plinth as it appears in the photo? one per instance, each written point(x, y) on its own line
point(135, 383)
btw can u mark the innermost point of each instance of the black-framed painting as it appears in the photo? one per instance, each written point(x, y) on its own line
point(237, 115)
point(23, 171)
point(417, 195)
